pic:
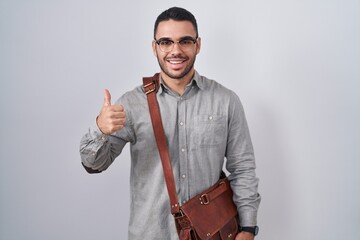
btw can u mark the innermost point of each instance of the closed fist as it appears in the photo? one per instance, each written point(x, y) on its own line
point(111, 117)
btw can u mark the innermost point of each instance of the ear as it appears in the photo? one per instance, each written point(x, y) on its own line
point(154, 48)
point(198, 45)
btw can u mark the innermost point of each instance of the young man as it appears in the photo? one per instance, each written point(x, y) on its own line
point(204, 122)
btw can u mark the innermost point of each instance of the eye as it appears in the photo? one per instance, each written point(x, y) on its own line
point(186, 42)
point(165, 43)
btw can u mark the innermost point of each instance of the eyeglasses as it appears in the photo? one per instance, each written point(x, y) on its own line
point(167, 45)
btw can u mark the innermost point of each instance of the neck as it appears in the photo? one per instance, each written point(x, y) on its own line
point(177, 85)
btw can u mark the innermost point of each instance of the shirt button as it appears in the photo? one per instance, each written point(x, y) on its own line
point(183, 149)
point(210, 117)
point(183, 176)
point(184, 202)
point(181, 123)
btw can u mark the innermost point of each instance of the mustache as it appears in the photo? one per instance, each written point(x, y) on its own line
point(177, 57)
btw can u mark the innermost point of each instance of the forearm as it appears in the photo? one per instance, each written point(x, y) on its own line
point(244, 184)
point(241, 165)
point(98, 150)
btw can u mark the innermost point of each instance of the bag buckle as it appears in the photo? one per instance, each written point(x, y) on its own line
point(153, 89)
point(204, 199)
point(179, 214)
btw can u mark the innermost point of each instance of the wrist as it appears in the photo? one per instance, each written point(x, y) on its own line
point(98, 126)
point(254, 230)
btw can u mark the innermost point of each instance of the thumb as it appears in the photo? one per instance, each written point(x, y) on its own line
point(107, 98)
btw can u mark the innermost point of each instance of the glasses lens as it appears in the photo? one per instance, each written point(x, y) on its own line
point(186, 43)
point(168, 45)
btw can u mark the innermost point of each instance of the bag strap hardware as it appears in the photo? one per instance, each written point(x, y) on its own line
point(151, 84)
point(179, 214)
point(204, 199)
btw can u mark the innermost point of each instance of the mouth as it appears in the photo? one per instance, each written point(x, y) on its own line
point(176, 62)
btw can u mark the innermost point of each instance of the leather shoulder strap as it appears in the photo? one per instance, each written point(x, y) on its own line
point(151, 86)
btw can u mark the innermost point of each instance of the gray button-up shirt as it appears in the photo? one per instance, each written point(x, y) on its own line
point(203, 127)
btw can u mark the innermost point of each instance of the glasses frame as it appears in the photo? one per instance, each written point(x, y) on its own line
point(194, 40)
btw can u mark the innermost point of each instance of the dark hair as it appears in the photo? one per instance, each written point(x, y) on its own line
point(177, 14)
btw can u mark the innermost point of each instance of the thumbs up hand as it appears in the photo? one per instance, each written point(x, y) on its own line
point(111, 117)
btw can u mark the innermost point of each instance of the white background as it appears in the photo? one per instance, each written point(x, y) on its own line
point(294, 64)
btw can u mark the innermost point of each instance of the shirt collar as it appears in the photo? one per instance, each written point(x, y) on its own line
point(196, 81)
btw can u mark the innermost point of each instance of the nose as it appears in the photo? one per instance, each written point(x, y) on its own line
point(176, 48)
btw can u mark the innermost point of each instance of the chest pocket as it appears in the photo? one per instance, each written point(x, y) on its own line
point(209, 130)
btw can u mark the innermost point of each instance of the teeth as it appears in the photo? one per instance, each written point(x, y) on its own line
point(175, 62)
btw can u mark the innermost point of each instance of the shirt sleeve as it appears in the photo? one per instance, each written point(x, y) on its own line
point(241, 165)
point(98, 151)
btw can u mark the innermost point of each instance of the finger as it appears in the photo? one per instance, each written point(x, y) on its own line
point(116, 125)
point(117, 108)
point(116, 116)
point(107, 98)
point(118, 122)
point(113, 111)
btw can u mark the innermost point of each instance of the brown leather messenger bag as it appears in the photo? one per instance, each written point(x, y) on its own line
point(210, 215)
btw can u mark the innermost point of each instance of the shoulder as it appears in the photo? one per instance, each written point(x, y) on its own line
point(132, 97)
point(134, 102)
point(215, 88)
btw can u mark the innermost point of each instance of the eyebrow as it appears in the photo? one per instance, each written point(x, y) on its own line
point(169, 39)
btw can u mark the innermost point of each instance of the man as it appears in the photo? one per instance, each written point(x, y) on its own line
point(204, 122)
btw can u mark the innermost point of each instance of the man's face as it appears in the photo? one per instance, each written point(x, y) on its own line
point(179, 62)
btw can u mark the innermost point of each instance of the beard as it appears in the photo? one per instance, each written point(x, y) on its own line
point(185, 72)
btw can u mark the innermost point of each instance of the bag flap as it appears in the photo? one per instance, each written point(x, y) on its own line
point(230, 230)
point(211, 210)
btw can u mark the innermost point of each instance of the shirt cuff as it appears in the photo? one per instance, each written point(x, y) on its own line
point(248, 219)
